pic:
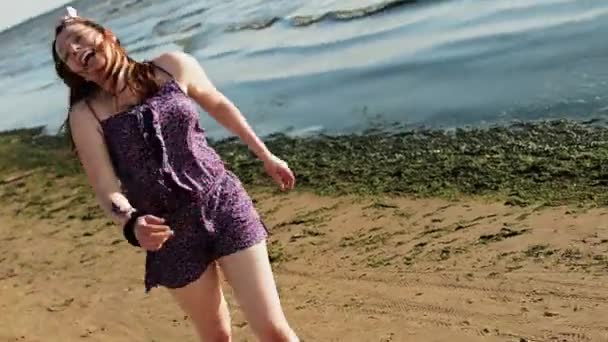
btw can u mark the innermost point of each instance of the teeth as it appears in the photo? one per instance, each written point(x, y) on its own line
point(86, 56)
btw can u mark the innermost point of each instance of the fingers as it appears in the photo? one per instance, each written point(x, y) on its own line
point(280, 173)
point(287, 178)
point(153, 228)
point(151, 233)
point(290, 179)
point(153, 224)
point(151, 219)
point(277, 178)
point(153, 241)
point(284, 177)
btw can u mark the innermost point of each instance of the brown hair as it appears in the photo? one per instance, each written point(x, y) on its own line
point(139, 75)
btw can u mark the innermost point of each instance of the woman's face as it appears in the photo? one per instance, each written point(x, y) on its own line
point(80, 47)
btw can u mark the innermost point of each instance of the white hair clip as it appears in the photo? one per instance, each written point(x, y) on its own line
point(71, 12)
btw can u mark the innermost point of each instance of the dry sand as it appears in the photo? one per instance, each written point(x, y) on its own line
point(348, 269)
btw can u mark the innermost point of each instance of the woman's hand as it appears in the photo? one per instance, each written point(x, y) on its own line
point(280, 172)
point(151, 232)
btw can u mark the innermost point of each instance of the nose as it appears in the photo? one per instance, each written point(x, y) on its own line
point(74, 47)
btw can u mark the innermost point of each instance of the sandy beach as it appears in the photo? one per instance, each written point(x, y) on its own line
point(349, 267)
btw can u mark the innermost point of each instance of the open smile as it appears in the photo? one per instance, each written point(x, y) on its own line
point(86, 56)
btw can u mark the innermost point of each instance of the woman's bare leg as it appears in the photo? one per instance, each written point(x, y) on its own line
point(249, 274)
point(204, 302)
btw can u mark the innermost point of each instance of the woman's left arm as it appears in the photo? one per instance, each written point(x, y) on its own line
point(203, 92)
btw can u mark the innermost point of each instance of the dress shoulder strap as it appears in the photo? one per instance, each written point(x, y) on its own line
point(162, 69)
point(86, 101)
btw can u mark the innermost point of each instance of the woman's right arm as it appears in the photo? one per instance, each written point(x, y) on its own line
point(150, 231)
point(95, 160)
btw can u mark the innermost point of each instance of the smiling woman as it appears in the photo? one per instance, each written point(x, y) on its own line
point(90, 60)
point(136, 124)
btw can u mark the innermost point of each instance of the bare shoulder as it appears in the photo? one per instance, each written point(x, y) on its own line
point(80, 115)
point(83, 124)
point(187, 70)
point(181, 64)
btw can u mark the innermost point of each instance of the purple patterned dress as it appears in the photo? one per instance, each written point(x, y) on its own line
point(167, 169)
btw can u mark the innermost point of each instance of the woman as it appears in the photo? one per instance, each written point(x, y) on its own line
point(136, 124)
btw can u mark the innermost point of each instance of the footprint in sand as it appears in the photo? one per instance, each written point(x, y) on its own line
point(61, 306)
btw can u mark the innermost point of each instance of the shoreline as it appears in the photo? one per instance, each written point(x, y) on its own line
point(547, 163)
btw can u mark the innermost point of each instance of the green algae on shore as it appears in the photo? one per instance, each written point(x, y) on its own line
point(550, 162)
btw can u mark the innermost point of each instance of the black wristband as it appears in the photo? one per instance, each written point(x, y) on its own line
point(129, 228)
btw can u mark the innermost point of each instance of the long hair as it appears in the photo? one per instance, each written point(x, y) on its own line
point(139, 76)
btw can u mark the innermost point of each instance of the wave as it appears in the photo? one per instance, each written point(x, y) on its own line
point(258, 24)
point(180, 24)
point(335, 15)
point(351, 14)
point(126, 6)
point(134, 3)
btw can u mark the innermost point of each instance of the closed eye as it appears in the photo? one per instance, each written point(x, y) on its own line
point(66, 54)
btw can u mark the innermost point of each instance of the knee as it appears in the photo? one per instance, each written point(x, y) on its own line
point(222, 335)
point(214, 330)
point(218, 334)
point(278, 333)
